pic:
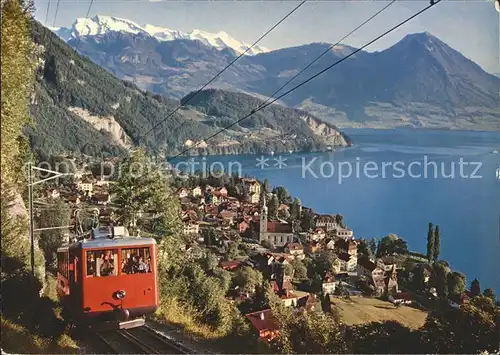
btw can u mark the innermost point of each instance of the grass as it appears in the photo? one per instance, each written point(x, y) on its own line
point(195, 335)
point(361, 310)
point(17, 340)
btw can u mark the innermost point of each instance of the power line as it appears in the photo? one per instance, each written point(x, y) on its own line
point(55, 15)
point(330, 48)
point(265, 104)
point(190, 97)
point(84, 25)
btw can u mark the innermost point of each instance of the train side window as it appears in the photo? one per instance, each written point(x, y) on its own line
point(102, 263)
point(136, 260)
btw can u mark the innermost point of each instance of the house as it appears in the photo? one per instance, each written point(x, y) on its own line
point(183, 192)
point(328, 286)
point(74, 199)
point(230, 264)
point(283, 207)
point(196, 191)
point(85, 187)
point(53, 194)
point(277, 233)
point(344, 233)
point(349, 247)
point(373, 273)
point(222, 191)
point(327, 222)
point(456, 301)
point(295, 249)
point(348, 262)
point(101, 199)
point(317, 235)
point(401, 298)
point(227, 216)
point(312, 247)
point(307, 303)
point(253, 197)
point(264, 323)
point(191, 228)
point(328, 243)
point(252, 184)
point(102, 180)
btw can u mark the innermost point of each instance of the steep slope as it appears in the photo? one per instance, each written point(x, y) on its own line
point(81, 107)
point(100, 24)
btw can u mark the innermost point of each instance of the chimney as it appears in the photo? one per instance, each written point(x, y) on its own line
point(262, 315)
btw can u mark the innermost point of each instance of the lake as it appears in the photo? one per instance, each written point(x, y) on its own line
point(397, 181)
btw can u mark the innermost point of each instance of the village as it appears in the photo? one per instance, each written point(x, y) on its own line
point(312, 262)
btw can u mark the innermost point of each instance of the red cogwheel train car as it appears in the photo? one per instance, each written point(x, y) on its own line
point(109, 278)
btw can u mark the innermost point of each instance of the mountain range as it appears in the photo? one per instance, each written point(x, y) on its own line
point(80, 107)
point(418, 82)
point(100, 24)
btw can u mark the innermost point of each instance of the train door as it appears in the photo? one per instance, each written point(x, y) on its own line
point(75, 279)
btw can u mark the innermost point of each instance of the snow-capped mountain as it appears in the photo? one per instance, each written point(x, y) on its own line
point(100, 24)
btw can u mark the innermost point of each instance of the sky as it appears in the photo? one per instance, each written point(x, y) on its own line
point(470, 26)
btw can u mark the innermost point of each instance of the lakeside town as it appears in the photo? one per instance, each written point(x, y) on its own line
point(261, 235)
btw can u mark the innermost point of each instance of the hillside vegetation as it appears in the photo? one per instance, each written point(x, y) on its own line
point(80, 107)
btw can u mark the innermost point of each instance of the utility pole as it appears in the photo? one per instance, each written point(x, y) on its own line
point(30, 206)
point(30, 211)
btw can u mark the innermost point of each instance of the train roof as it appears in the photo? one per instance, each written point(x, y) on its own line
point(109, 237)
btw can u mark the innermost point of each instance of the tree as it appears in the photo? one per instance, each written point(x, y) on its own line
point(57, 215)
point(437, 243)
point(209, 236)
point(439, 279)
point(224, 278)
point(475, 288)
point(295, 209)
point(19, 61)
point(467, 330)
point(299, 270)
point(283, 195)
point(430, 242)
point(272, 207)
point(390, 245)
point(309, 333)
point(267, 186)
point(267, 244)
point(232, 251)
point(247, 278)
point(339, 219)
point(289, 270)
point(364, 249)
point(283, 214)
point(373, 245)
point(307, 221)
point(209, 262)
point(456, 283)
point(143, 187)
point(489, 293)
point(420, 273)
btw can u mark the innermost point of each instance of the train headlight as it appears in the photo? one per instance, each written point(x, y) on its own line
point(120, 294)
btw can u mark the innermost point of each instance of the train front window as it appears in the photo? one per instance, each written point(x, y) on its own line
point(136, 260)
point(102, 263)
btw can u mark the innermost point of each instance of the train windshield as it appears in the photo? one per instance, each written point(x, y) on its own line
point(102, 263)
point(136, 260)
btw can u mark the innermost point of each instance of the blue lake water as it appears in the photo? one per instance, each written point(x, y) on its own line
point(464, 203)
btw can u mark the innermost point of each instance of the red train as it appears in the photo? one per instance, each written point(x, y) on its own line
point(108, 278)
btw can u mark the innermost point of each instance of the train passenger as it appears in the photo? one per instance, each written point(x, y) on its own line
point(141, 267)
point(107, 267)
point(90, 265)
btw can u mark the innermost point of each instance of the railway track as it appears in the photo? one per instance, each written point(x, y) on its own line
point(140, 340)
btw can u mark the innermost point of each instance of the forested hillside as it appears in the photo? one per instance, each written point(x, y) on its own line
point(80, 107)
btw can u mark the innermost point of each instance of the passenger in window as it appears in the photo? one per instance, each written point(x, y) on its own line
point(142, 267)
point(148, 264)
point(107, 267)
point(90, 265)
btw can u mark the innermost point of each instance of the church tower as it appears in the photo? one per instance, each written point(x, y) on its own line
point(263, 219)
